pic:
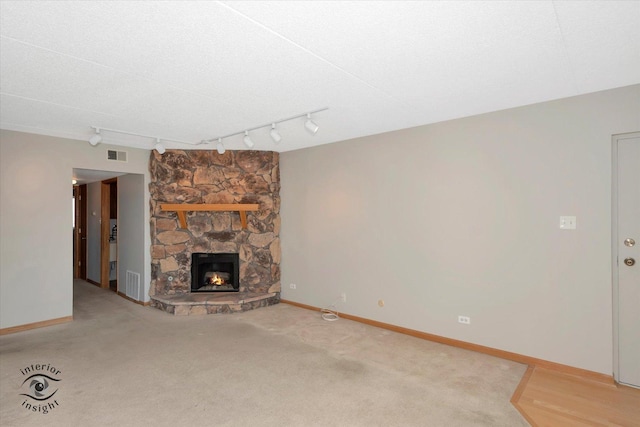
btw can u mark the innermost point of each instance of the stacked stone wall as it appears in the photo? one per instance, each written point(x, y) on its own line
point(198, 176)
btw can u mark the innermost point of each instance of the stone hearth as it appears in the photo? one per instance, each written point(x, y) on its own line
point(188, 304)
point(206, 177)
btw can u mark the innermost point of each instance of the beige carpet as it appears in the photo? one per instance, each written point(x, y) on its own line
point(122, 364)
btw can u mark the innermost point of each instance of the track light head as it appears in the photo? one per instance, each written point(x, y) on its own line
point(310, 125)
point(96, 138)
point(247, 139)
point(159, 147)
point(275, 135)
point(220, 146)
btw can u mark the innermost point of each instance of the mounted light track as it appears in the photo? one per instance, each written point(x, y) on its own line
point(309, 125)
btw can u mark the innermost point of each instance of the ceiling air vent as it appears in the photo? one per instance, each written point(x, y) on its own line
point(119, 156)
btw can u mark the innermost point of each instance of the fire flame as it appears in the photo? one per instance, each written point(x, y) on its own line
point(216, 280)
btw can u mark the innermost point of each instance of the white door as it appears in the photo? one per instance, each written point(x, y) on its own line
point(626, 248)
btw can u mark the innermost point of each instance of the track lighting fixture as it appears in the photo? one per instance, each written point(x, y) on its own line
point(247, 139)
point(95, 138)
point(310, 125)
point(275, 135)
point(220, 146)
point(159, 147)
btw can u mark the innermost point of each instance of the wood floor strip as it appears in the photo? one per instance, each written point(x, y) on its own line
point(552, 398)
point(515, 399)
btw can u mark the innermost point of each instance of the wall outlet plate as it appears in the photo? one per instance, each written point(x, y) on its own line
point(568, 222)
point(465, 320)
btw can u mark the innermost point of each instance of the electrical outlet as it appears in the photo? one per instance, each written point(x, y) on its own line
point(464, 320)
point(293, 286)
point(568, 222)
point(343, 297)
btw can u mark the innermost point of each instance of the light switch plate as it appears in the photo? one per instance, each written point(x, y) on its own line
point(568, 222)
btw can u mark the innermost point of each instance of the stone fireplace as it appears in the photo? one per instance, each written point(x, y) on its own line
point(201, 178)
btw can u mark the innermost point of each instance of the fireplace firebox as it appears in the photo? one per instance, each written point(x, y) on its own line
point(212, 272)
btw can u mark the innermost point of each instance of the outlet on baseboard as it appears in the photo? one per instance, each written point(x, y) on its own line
point(293, 286)
point(464, 320)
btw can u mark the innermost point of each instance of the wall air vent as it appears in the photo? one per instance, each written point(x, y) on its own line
point(119, 156)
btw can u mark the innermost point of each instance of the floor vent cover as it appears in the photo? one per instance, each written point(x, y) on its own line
point(132, 289)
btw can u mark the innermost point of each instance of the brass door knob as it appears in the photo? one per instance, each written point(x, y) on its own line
point(629, 261)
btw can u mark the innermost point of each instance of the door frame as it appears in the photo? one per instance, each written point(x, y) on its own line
point(614, 247)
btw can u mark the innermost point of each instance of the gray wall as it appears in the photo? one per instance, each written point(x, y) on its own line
point(35, 222)
point(462, 218)
point(132, 208)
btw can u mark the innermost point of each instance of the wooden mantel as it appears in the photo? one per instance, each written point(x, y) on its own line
point(181, 208)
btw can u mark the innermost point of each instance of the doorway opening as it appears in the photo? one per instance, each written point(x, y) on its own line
point(80, 231)
point(95, 210)
point(109, 234)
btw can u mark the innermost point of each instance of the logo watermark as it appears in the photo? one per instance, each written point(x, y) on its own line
point(40, 385)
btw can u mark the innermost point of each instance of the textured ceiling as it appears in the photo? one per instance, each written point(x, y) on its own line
point(190, 71)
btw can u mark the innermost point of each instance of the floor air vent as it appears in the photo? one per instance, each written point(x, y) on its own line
point(119, 156)
point(132, 289)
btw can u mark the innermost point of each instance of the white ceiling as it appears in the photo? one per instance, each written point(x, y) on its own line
point(190, 71)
